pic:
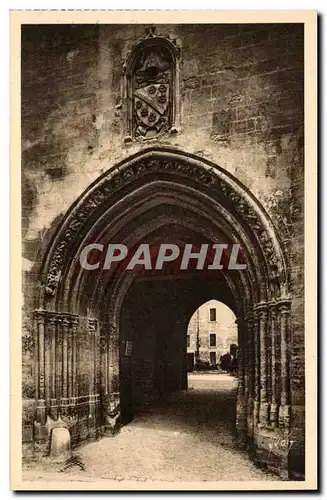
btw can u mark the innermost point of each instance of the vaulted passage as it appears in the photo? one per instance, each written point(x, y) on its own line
point(154, 319)
point(111, 340)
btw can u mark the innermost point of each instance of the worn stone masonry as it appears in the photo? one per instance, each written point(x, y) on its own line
point(135, 133)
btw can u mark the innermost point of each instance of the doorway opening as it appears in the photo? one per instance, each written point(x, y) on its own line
point(212, 339)
point(212, 364)
point(154, 325)
point(155, 393)
point(132, 352)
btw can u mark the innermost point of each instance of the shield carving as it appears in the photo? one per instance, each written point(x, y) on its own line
point(151, 102)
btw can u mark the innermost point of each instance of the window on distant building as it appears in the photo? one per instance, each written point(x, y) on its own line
point(213, 314)
point(188, 341)
point(213, 359)
point(212, 340)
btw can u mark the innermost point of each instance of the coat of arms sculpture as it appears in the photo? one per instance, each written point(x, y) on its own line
point(152, 93)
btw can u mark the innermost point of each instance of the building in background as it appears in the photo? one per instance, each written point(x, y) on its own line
point(211, 333)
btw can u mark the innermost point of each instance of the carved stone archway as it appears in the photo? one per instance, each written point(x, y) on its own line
point(78, 339)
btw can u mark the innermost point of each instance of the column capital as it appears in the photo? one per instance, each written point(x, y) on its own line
point(65, 321)
point(261, 310)
point(249, 316)
point(92, 324)
point(284, 306)
point(103, 342)
point(261, 306)
point(52, 319)
point(43, 315)
point(74, 322)
point(39, 315)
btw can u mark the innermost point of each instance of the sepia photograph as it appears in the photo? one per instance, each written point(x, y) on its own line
point(163, 301)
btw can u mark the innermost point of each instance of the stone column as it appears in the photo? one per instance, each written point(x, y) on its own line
point(256, 336)
point(241, 381)
point(245, 359)
point(64, 404)
point(250, 371)
point(113, 359)
point(241, 397)
point(284, 411)
point(41, 412)
point(47, 362)
point(112, 408)
point(92, 325)
point(70, 361)
point(105, 348)
point(273, 407)
point(74, 368)
point(56, 366)
point(52, 327)
point(59, 362)
point(104, 361)
point(264, 404)
point(74, 359)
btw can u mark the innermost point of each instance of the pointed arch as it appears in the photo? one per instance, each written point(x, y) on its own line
point(138, 178)
point(136, 201)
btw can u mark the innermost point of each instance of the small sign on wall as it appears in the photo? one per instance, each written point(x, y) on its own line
point(128, 348)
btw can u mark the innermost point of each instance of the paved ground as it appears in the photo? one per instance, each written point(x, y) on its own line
point(188, 438)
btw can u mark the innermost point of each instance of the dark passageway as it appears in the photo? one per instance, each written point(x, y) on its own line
point(154, 320)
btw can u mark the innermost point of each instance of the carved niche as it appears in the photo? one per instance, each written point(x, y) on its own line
point(152, 89)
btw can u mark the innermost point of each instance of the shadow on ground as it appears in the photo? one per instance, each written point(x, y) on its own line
point(190, 436)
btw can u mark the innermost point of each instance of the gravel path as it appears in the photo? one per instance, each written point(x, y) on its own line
point(189, 437)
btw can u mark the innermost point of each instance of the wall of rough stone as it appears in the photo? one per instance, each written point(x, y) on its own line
point(241, 107)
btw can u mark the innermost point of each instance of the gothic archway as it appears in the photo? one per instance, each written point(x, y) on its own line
point(78, 320)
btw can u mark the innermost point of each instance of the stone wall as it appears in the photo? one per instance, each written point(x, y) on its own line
point(241, 90)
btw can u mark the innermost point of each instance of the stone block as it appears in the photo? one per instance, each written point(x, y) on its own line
point(60, 443)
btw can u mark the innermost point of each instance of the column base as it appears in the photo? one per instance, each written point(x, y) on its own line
point(250, 410)
point(241, 418)
point(42, 434)
point(271, 450)
point(263, 414)
point(284, 416)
